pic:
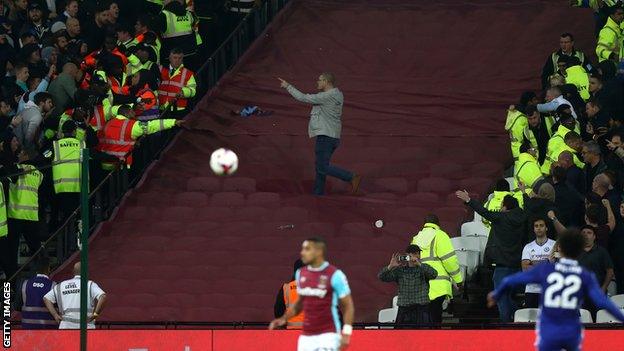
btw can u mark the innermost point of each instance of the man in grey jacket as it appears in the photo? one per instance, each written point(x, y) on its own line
point(325, 124)
point(32, 118)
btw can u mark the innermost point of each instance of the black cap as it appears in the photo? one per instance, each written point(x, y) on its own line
point(69, 126)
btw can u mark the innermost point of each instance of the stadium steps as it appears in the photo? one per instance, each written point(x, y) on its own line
point(188, 237)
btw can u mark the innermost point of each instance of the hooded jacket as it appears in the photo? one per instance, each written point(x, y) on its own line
point(507, 236)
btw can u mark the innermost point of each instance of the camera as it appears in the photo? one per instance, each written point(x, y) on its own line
point(404, 258)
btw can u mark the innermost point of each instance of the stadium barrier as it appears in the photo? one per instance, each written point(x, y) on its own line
point(362, 340)
point(105, 197)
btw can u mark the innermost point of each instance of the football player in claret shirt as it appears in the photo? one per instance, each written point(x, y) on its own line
point(321, 288)
point(564, 285)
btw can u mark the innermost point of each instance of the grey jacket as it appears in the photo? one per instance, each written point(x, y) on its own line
point(26, 132)
point(326, 111)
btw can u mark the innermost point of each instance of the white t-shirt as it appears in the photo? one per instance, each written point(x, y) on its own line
point(66, 295)
point(535, 252)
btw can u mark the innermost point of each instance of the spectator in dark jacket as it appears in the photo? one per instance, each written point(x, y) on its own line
point(567, 200)
point(594, 164)
point(504, 247)
point(574, 175)
point(538, 205)
point(36, 23)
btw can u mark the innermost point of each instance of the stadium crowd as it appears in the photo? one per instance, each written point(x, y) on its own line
point(99, 74)
point(568, 165)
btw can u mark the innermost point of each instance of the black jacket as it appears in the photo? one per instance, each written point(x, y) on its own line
point(570, 204)
point(507, 236)
point(538, 207)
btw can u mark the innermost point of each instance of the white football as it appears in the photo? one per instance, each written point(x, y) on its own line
point(224, 162)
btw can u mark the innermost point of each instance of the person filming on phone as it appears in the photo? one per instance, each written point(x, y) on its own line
point(413, 277)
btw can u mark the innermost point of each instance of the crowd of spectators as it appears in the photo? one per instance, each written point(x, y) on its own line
point(568, 165)
point(79, 69)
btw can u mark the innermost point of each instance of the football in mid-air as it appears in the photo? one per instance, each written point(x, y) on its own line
point(224, 162)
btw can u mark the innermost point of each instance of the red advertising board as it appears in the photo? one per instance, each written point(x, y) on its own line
point(248, 340)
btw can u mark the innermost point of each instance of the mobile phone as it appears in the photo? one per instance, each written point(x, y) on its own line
point(404, 258)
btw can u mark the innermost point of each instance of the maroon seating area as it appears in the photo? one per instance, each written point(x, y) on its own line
point(426, 87)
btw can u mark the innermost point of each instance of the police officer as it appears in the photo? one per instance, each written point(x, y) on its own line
point(177, 27)
point(66, 295)
point(34, 313)
point(610, 36)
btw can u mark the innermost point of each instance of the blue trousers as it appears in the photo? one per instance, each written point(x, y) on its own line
point(506, 306)
point(324, 149)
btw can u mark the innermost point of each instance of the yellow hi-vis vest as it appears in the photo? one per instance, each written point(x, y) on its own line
point(438, 252)
point(556, 145)
point(178, 26)
point(514, 125)
point(24, 195)
point(578, 76)
point(527, 170)
point(530, 136)
point(66, 166)
point(4, 227)
point(290, 298)
point(609, 40)
point(496, 202)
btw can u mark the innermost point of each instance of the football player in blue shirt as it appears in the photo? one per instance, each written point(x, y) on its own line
point(565, 285)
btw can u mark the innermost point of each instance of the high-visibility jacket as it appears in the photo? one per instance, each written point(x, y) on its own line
point(438, 252)
point(116, 139)
point(527, 170)
point(24, 194)
point(90, 61)
point(578, 76)
point(66, 165)
point(554, 57)
point(66, 116)
point(609, 40)
point(181, 80)
point(290, 298)
point(556, 145)
point(150, 102)
point(119, 87)
point(593, 4)
point(120, 134)
point(179, 26)
point(530, 136)
point(4, 227)
point(495, 203)
point(156, 46)
point(514, 125)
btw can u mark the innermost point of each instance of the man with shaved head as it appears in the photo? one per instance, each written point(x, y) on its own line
point(63, 88)
point(66, 295)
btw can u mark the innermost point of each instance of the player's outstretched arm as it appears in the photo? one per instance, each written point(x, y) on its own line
point(601, 300)
point(521, 278)
point(348, 314)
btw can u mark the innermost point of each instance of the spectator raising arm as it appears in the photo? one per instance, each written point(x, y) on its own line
point(477, 207)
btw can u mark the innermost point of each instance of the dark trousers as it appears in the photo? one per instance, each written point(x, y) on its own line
point(506, 305)
point(414, 315)
point(324, 149)
point(531, 300)
point(9, 245)
point(67, 203)
point(435, 310)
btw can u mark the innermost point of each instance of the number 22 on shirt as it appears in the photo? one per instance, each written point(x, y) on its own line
point(561, 290)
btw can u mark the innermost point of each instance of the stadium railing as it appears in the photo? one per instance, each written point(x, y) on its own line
point(105, 197)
